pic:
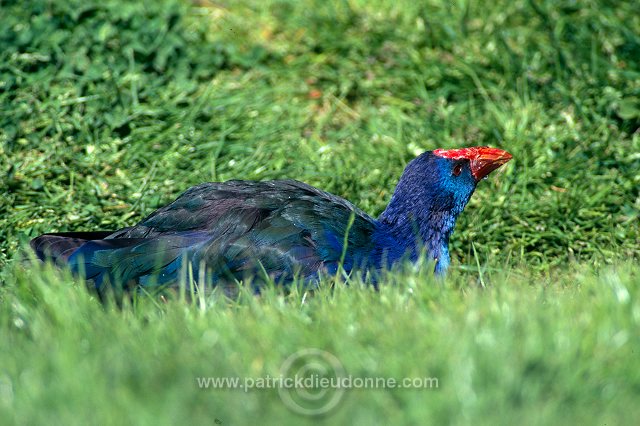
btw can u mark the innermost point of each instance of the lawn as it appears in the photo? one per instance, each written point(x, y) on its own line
point(111, 109)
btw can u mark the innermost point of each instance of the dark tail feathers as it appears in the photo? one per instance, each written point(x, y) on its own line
point(59, 246)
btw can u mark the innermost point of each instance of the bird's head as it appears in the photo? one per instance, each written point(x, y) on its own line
point(456, 172)
point(434, 189)
point(444, 179)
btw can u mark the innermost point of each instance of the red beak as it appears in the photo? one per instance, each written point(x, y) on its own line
point(482, 159)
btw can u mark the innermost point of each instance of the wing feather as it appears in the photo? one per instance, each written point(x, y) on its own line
point(236, 229)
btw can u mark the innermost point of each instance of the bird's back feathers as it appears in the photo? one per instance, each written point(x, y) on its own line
point(236, 229)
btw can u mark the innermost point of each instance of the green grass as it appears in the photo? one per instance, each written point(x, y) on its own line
point(111, 109)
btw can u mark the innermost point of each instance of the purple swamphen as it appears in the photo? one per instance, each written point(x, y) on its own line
point(280, 229)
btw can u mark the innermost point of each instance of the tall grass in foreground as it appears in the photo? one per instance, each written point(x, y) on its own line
point(523, 348)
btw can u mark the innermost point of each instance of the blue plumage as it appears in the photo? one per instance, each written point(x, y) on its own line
point(240, 229)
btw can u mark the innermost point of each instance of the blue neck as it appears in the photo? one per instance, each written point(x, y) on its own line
point(423, 210)
point(414, 230)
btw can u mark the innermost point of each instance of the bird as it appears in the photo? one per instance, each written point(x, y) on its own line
point(280, 230)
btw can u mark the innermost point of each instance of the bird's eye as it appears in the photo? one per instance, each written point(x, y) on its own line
point(457, 169)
